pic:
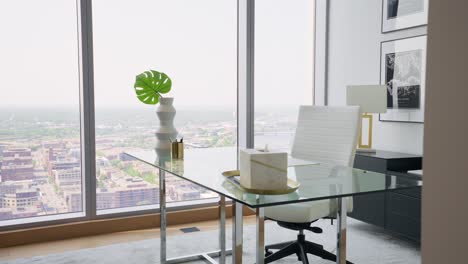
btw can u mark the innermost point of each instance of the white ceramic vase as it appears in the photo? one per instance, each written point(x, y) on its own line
point(166, 130)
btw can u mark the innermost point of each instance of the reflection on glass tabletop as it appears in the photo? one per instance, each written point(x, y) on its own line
point(318, 181)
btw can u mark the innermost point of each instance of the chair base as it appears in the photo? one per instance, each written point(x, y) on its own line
point(301, 248)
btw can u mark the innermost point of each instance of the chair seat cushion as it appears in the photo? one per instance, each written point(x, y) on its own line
point(304, 212)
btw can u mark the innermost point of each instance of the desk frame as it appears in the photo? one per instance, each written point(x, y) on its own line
point(237, 232)
point(221, 252)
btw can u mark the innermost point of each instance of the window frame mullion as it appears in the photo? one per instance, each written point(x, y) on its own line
point(87, 111)
point(245, 73)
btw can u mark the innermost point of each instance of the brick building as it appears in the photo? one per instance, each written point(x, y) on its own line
point(17, 165)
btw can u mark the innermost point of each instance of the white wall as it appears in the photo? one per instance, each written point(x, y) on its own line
point(354, 58)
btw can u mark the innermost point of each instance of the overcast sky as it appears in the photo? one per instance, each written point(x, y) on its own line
point(193, 41)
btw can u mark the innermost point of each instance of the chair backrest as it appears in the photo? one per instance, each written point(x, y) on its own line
point(327, 134)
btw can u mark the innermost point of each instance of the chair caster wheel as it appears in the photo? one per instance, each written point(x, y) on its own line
point(268, 253)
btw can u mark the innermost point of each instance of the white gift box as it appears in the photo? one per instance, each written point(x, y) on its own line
point(263, 170)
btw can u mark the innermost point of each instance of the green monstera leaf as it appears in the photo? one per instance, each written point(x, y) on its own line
point(149, 86)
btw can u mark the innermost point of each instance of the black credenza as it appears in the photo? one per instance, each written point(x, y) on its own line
point(396, 211)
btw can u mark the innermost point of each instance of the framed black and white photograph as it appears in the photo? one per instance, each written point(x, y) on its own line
point(403, 71)
point(401, 14)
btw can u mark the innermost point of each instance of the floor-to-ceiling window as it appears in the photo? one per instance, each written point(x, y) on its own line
point(40, 147)
point(284, 68)
point(49, 64)
point(194, 43)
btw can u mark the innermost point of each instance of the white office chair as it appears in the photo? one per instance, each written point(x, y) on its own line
point(327, 135)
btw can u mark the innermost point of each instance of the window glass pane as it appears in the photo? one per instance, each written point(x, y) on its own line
point(284, 48)
point(40, 167)
point(194, 42)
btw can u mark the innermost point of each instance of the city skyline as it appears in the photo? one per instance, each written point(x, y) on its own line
point(51, 185)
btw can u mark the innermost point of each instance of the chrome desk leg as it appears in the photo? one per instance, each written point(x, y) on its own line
point(222, 229)
point(260, 236)
point(341, 231)
point(162, 213)
point(237, 229)
point(222, 252)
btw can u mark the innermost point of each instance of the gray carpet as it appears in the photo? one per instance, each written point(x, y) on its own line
point(366, 245)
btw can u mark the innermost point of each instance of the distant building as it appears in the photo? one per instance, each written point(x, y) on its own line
point(20, 199)
point(131, 192)
point(53, 152)
point(17, 155)
point(59, 151)
point(102, 162)
point(183, 193)
point(66, 164)
point(67, 177)
point(17, 165)
point(73, 200)
point(11, 187)
point(57, 145)
point(75, 153)
point(105, 199)
point(40, 176)
point(7, 189)
point(17, 193)
point(136, 196)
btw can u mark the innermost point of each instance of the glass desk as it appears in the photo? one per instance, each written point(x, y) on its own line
point(321, 181)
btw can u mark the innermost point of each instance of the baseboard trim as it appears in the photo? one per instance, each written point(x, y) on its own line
point(105, 226)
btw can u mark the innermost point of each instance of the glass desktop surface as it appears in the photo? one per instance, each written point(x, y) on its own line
point(321, 181)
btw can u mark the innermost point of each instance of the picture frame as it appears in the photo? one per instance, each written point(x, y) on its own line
point(403, 14)
point(403, 70)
